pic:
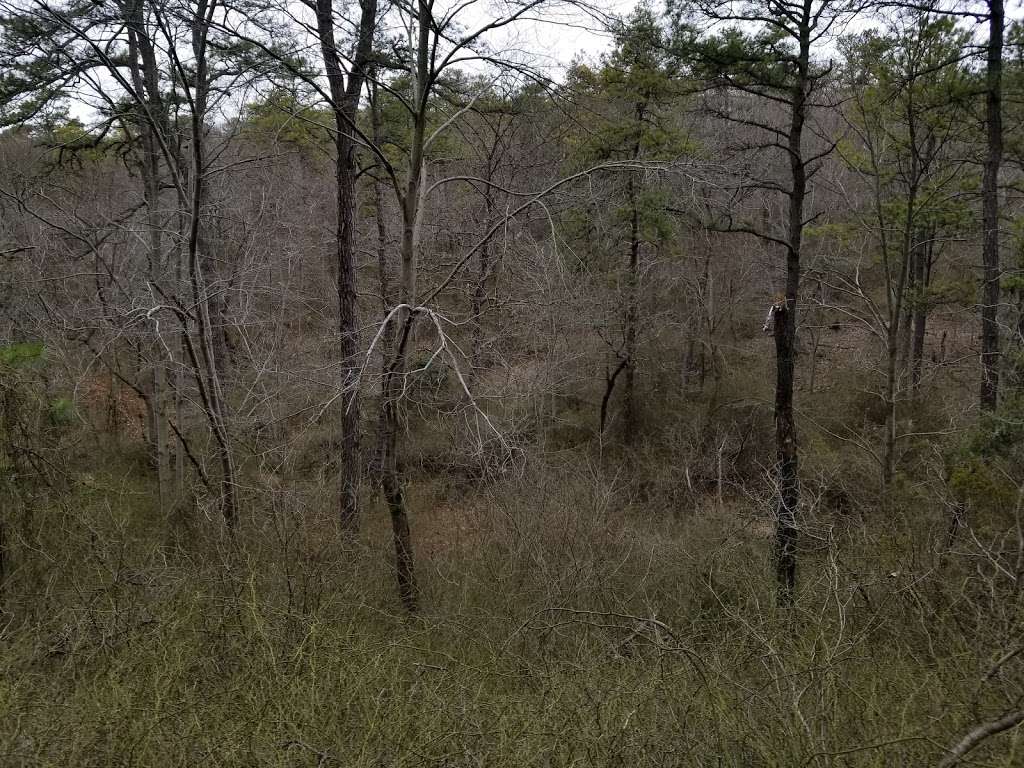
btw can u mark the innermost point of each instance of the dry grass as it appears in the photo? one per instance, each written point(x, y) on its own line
point(563, 627)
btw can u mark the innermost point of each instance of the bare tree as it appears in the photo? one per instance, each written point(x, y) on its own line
point(153, 34)
point(775, 66)
point(990, 206)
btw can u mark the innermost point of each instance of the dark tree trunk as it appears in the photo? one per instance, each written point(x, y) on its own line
point(392, 474)
point(220, 311)
point(348, 338)
point(149, 109)
point(787, 469)
point(990, 209)
point(345, 103)
point(629, 421)
point(922, 277)
point(609, 388)
point(907, 320)
point(478, 302)
point(383, 276)
point(787, 477)
point(392, 471)
point(387, 343)
point(212, 395)
point(897, 296)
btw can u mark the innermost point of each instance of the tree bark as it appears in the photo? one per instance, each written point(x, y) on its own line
point(629, 421)
point(392, 470)
point(156, 426)
point(787, 467)
point(990, 209)
point(922, 278)
point(897, 295)
point(392, 405)
point(387, 345)
point(979, 734)
point(787, 477)
point(144, 75)
point(211, 390)
point(392, 410)
point(345, 103)
point(478, 302)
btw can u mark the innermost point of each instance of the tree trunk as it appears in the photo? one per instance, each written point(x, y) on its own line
point(990, 209)
point(392, 411)
point(387, 343)
point(907, 320)
point(348, 337)
point(345, 103)
point(383, 278)
point(891, 420)
point(896, 297)
point(629, 421)
point(479, 299)
point(787, 468)
point(223, 349)
point(113, 425)
point(211, 391)
point(787, 477)
point(392, 405)
point(922, 277)
point(179, 412)
point(392, 471)
point(149, 107)
point(157, 428)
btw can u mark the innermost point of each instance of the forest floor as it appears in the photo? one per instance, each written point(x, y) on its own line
point(563, 624)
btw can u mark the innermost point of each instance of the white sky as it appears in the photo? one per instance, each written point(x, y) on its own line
point(562, 37)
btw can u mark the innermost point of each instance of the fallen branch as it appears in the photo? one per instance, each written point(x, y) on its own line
point(979, 734)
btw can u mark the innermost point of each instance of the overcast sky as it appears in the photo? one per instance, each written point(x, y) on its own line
point(560, 37)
